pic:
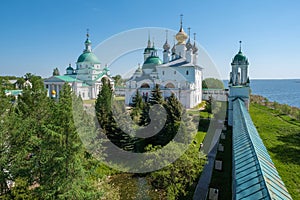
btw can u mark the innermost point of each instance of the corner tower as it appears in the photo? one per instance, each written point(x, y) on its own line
point(239, 84)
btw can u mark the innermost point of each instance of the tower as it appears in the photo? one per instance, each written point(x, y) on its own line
point(166, 47)
point(195, 51)
point(148, 50)
point(181, 37)
point(239, 82)
point(189, 49)
point(88, 43)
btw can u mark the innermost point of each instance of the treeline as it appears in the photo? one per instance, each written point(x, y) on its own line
point(294, 112)
point(41, 154)
point(6, 83)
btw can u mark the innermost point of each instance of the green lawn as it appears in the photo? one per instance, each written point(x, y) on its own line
point(281, 136)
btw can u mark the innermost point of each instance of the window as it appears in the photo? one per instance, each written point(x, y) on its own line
point(174, 72)
point(163, 72)
point(187, 72)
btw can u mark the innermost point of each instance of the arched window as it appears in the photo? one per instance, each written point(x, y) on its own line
point(145, 85)
point(169, 85)
point(187, 72)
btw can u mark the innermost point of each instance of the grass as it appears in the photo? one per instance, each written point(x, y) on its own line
point(281, 136)
point(90, 101)
point(222, 179)
point(119, 98)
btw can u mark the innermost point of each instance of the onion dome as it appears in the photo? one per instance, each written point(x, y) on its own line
point(53, 92)
point(88, 55)
point(173, 49)
point(195, 49)
point(181, 36)
point(239, 57)
point(153, 60)
point(166, 46)
point(188, 45)
point(70, 68)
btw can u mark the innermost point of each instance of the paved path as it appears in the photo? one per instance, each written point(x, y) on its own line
point(204, 180)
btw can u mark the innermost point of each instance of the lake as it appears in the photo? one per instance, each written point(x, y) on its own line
point(284, 91)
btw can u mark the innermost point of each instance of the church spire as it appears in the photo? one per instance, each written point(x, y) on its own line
point(166, 46)
point(195, 49)
point(149, 41)
point(181, 36)
point(88, 43)
point(188, 45)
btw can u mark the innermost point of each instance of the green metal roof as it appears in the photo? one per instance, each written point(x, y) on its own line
point(148, 49)
point(153, 60)
point(88, 57)
point(239, 57)
point(68, 79)
point(13, 92)
point(254, 175)
point(70, 68)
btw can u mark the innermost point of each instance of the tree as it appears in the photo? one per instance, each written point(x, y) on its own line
point(4, 140)
point(212, 83)
point(103, 105)
point(137, 106)
point(55, 72)
point(104, 114)
point(156, 95)
point(118, 80)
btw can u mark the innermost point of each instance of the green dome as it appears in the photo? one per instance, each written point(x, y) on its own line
point(70, 68)
point(149, 49)
point(88, 57)
point(88, 41)
point(153, 60)
point(239, 57)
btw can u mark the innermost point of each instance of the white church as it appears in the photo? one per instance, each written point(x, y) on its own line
point(177, 73)
point(85, 80)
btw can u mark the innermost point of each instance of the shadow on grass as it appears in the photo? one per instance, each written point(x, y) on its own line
point(289, 152)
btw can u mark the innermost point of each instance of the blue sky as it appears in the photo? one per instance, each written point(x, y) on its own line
point(39, 35)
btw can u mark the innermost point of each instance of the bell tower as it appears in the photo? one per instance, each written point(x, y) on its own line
point(239, 84)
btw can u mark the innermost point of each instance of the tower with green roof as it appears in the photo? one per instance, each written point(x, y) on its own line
point(239, 84)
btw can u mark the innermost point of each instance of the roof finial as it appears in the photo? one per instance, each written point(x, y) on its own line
point(153, 42)
point(166, 35)
point(240, 51)
point(189, 28)
point(194, 37)
point(149, 41)
point(87, 33)
point(181, 17)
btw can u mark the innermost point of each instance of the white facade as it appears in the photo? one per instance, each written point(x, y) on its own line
point(85, 80)
point(178, 73)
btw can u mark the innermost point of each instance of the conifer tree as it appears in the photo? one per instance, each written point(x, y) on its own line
point(137, 106)
point(4, 136)
point(156, 95)
point(103, 108)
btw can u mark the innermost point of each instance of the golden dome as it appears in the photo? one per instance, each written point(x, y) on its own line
point(181, 36)
point(53, 92)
